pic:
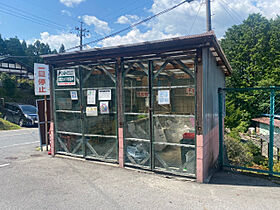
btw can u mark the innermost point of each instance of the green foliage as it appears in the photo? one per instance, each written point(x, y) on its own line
point(256, 151)
point(9, 84)
point(6, 125)
point(253, 50)
point(14, 47)
point(17, 90)
point(236, 118)
point(238, 153)
point(244, 152)
point(61, 49)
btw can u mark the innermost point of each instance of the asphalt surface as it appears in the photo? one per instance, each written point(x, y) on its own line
point(33, 180)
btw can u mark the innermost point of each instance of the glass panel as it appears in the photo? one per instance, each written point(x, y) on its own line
point(138, 153)
point(63, 101)
point(68, 122)
point(175, 158)
point(67, 108)
point(101, 148)
point(99, 76)
point(99, 90)
point(137, 122)
point(70, 144)
point(174, 115)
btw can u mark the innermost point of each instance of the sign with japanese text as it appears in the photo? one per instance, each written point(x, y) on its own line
point(66, 77)
point(104, 94)
point(41, 79)
point(74, 95)
point(91, 95)
point(142, 94)
point(190, 91)
point(163, 97)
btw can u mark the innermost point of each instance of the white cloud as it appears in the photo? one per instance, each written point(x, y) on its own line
point(55, 41)
point(66, 12)
point(127, 19)
point(70, 3)
point(135, 36)
point(180, 21)
point(100, 27)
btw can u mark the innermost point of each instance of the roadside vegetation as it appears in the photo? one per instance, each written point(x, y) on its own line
point(253, 50)
point(17, 90)
point(6, 125)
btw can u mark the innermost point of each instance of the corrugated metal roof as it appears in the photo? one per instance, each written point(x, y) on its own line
point(266, 121)
point(144, 50)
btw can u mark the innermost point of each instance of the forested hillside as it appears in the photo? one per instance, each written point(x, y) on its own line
point(28, 54)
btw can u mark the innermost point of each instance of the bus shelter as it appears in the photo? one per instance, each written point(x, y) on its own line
point(152, 105)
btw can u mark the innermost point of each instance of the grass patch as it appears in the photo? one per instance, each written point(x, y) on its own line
point(6, 125)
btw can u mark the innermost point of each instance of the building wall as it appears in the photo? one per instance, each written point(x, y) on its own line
point(208, 143)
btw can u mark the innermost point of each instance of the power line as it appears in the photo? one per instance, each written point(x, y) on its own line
point(26, 18)
point(234, 12)
point(124, 9)
point(19, 12)
point(196, 16)
point(228, 12)
point(50, 10)
point(133, 25)
point(32, 15)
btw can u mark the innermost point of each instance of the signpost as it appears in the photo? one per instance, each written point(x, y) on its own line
point(42, 88)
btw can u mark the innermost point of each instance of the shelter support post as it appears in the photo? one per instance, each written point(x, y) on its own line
point(46, 122)
point(152, 162)
point(119, 67)
point(221, 128)
point(82, 111)
point(198, 115)
point(52, 138)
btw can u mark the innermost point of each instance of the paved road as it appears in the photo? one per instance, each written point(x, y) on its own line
point(34, 180)
point(16, 144)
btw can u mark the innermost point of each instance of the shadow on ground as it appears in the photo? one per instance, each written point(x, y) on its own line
point(235, 178)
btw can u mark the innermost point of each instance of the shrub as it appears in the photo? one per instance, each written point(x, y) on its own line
point(238, 153)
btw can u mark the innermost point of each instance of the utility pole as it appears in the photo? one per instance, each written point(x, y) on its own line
point(208, 16)
point(82, 32)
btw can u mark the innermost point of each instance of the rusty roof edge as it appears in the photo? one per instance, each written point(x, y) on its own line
point(210, 35)
point(127, 45)
point(221, 53)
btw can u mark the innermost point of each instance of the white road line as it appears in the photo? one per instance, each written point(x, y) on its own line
point(14, 135)
point(4, 165)
point(15, 145)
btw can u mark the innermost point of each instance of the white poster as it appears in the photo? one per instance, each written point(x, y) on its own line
point(66, 77)
point(74, 95)
point(104, 107)
point(163, 97)
point(91, 111)
point(91, 96)
point(41, 79)
point(104, 95)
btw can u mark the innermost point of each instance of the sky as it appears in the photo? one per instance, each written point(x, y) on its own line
point(54, 21)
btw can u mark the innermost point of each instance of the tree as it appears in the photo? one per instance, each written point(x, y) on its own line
point(253, 50)
point(61, 49)
point(14, 47)
point(3, 47)
point(9, 84)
